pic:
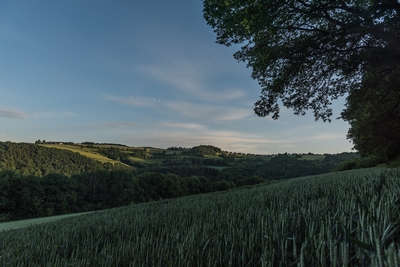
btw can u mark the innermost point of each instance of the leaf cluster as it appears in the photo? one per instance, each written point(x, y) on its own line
point(307, 53)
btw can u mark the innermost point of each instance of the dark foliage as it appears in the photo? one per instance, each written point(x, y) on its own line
point(23, 197)
point(185, 171)
point(39, 161)
point(37, 181)
point(203, 150)
point(305, 54)
point(374, 114)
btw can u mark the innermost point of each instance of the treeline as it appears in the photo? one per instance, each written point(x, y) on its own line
point(175, 148)
point(31, 159)
point(279, 167)
point(124, 155)
point(198, 151)
point(23, 197)
point(102, 144)
point(202, 150)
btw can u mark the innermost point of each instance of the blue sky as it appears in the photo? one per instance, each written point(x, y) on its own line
point(140, 73)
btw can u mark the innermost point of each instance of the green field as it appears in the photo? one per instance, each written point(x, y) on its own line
point(84, 151)
point(93, 154)
point(341, 219)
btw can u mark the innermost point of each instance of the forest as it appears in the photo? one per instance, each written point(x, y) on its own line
point(37, 180)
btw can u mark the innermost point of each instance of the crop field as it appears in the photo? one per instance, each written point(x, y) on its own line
point(341, 219)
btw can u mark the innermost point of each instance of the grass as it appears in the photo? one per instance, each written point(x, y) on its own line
point(88, 152)
point(341, 219)
point(93, 154)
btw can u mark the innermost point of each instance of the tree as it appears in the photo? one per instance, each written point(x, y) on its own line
point(305, 54)
point(60, 194)
point(374, 115)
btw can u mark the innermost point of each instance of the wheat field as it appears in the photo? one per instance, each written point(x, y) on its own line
point(340, 219)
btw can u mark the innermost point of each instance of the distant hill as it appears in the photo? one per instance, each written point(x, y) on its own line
point(204, 150)
point(50, 179)
point(87, 151)
point(208, 161)
point(33, 159)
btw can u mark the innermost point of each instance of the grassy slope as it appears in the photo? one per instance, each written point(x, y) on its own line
point(88, 152)
point(93, 154)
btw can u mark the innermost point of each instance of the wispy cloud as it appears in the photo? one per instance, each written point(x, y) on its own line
point(208, 112)
point(11, 113)
point(53, 114)
point(197, 111)
point(194, 72)
point(191, 126)
point(133, 101)
point(241, 137)
point(192, 80)
point(121, 125)
point(328, 136)
point(67, 113)
point(309, 136)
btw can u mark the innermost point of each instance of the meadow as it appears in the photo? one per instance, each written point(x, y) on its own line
point(84, 151)
point(341, 219)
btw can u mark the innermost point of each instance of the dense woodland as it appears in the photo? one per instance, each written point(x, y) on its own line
point(39, 181)
point(30, 159)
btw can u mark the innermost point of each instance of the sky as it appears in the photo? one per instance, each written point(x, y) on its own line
point(139, 73)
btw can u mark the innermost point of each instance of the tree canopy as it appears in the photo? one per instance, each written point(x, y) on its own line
point(374, 115)
point(305, 54)
point(37, 160)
